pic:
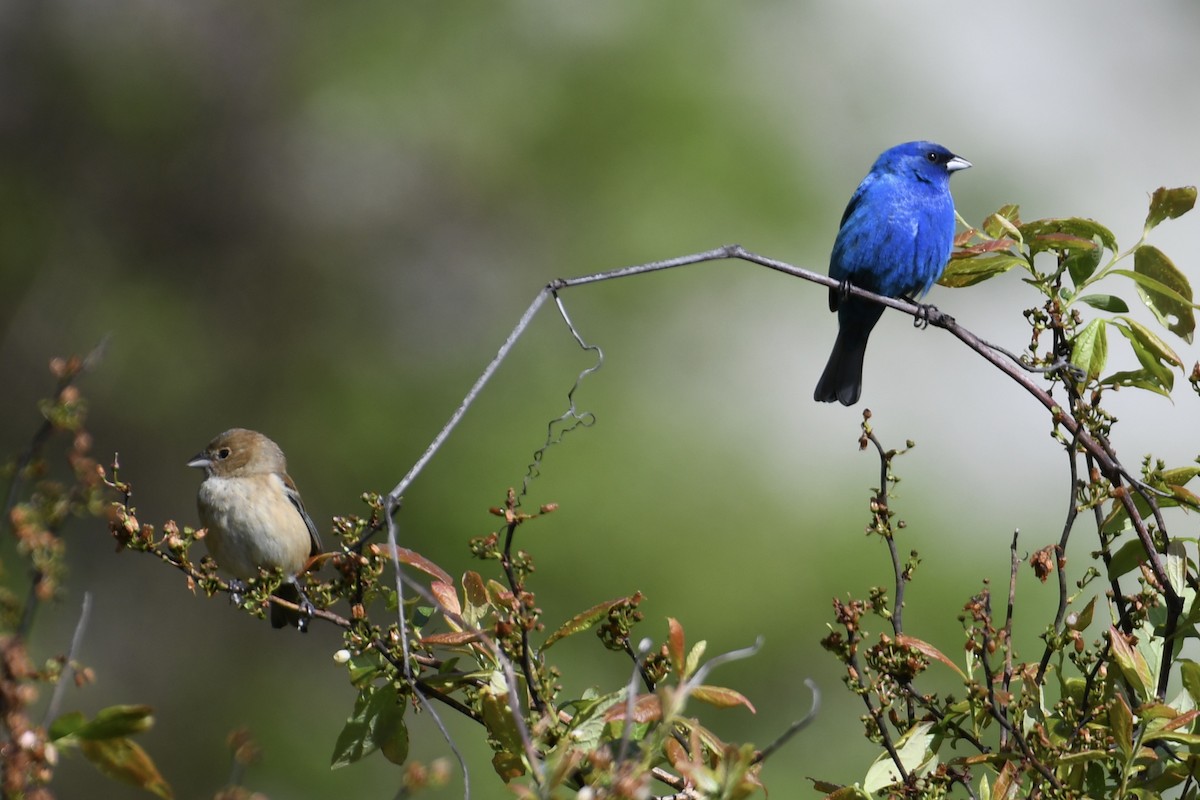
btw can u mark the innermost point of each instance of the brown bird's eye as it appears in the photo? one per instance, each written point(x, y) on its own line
point(223, 453)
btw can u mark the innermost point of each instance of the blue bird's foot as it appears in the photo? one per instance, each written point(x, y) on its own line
point(1069, 371)
point(843, 290)
point(927, 313)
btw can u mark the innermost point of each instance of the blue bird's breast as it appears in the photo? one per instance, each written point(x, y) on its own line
point(895, 237)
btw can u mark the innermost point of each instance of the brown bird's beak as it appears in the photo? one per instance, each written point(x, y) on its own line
point(200, 461)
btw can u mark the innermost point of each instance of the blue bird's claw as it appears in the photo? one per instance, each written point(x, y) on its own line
point(843, 290)
point(1070, 371)
point(926, 313)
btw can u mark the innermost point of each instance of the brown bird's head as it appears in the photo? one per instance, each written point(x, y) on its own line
point(239, 451)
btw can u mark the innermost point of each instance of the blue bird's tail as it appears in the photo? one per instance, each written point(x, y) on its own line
point(842, 378)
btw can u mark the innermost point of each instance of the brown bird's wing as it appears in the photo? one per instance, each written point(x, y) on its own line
point(294, 496)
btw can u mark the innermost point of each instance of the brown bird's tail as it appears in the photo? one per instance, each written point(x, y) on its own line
point(285, 617)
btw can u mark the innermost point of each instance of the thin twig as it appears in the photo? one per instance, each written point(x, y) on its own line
point(68, 667)
point(394, 548)
point(437, 719)
point(1060, 552)
point(1008, 734)
point(631, 700)
point(881, 501)
point(518, 591)
point(572, 414)
point(876, 714)
point(1014, 566)
point(795, 727)
point(1014, 370)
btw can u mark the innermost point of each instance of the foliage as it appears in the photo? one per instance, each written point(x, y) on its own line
point(38, 504)
point(1093, 715)
point(1089, 717)
point(468, 645)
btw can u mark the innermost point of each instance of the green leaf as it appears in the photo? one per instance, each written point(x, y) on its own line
point(390, 734)
point(354, 742)
point(1164, 289)
point(1121, 719)
point(364, 669)
point(972, 269)
point(1176, 565)
point(692, 662)
point(66, 725)
point(1084, 618)
point(123, 760)
point(1004, 222)
point(1104, 302)
point(1137, 379)
point(1155, 356)
point(583, 620)
point(1118, 521)
point(1089, 350)
point(497, 716)
point(117, 721)
point(1082, 262)
point(1179, 476)
point(1132, 663)
point(1169, 204)
point(913, 752)
point(1190, 672)
point(1148, 341)
point(362, 734)
point(589, 721)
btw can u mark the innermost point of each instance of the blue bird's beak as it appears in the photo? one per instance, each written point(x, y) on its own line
point(957, 163)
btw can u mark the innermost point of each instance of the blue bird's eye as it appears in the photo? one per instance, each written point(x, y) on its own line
point(932, 156)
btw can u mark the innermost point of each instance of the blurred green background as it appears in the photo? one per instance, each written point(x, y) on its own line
point(321, 220)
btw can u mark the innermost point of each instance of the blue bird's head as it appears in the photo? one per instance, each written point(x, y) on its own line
point(925, 161)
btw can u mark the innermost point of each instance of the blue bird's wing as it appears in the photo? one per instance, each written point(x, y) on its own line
point(895, 237)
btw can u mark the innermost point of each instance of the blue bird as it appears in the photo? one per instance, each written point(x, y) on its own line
point(895, 239)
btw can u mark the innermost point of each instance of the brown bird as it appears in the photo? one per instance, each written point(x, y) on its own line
point(255, 517)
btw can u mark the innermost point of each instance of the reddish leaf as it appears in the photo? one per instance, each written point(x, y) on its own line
point(415, 560)
point(1006, 782)
point(451, 638)
point(646, 708)
point(675, 645)
point(1181, 720)
point(676, 755)
point(446, 596)
point(476, 592)
point(721, 697)
point(928, 650)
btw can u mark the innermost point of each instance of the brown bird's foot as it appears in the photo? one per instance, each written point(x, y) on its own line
point(307, 610)
point(237, 591)
point(306, 613)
